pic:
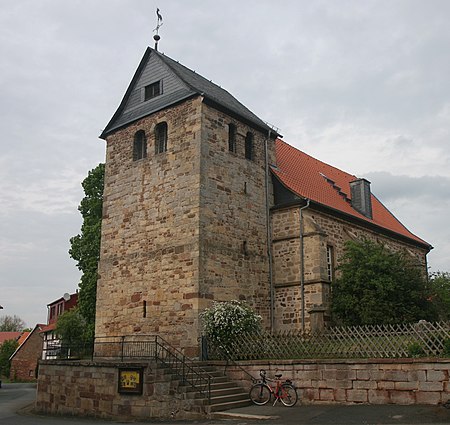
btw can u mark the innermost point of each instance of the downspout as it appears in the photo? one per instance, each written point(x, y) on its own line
point(269, 236)
point(302, 263)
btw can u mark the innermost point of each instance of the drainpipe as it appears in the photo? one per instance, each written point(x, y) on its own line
point(302, 263)
point(269, 236)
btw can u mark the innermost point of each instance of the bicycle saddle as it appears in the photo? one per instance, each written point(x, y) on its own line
point(278, 375)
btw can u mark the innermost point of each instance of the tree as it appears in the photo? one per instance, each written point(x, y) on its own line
point(11, 324)
point(377, 286)
point(85, 247)
point(225, 321)
point(6, 351)
point(71, 327)
point(440, 293)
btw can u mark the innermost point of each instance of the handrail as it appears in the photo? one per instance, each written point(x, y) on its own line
point(224, 354)
point(176, 360)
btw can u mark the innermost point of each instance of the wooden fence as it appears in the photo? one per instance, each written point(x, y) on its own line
point(421, 339)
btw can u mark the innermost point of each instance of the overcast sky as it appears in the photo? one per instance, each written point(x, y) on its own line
point(361, 85)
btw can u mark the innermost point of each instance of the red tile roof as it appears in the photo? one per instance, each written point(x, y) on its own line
point(48, 328)
point(7, 336)
point(327, 185)
point(23, 337)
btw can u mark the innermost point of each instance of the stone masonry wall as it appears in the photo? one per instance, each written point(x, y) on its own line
point(233, 227)
point(91, 389)
point(320, 230)
point(182, 228)
point(377, 381)
point(149, 262)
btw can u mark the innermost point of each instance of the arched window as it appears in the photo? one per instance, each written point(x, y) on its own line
point(249, 146)
point(161, 137)
point(232, 137)
point(139, 145)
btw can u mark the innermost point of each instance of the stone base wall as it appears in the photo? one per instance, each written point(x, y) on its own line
point(378, 381)
point(91, 389)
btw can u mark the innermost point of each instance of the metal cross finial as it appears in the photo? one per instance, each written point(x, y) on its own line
point(159, 24)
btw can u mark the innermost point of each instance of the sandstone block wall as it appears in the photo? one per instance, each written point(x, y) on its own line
point(183, 227)
point(320, 231)
point(149, 263)
point(377, 381)
point(233, 230)
point(91, 389)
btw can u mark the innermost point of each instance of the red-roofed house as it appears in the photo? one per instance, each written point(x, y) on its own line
point(24, 360)
point(318, 207)
point(55, 309)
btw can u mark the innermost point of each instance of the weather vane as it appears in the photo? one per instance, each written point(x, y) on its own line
point(159, 24)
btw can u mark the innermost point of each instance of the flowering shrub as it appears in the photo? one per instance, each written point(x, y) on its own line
point(224, 321)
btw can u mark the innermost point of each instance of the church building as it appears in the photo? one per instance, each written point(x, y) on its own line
point(204, 201)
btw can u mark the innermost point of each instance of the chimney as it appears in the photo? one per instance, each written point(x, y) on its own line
point(361, 198)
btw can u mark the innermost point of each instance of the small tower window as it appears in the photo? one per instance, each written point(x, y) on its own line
point(139, 145)
point(249, 146)
point(232, 138)
point(152, 90)
point(161, 137)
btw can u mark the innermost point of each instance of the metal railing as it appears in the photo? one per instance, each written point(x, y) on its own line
point(154, 347)
point(135, 348)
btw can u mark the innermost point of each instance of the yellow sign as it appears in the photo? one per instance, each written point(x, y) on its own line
point(129, 379)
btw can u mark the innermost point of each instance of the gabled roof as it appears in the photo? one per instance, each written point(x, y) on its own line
point(328, 186)
point(24, 338)
point(184, 83)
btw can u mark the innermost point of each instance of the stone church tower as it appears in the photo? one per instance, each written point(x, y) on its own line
point(185, 205)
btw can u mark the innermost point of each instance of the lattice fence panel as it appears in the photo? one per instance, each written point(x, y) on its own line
point(388, 341)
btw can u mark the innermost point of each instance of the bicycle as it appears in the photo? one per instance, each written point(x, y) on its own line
point(261, 392)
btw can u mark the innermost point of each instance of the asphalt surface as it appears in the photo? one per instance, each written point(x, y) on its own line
point(16, 401)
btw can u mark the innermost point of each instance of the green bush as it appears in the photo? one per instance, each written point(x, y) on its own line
point(416, 350)
point(446, 350)
point(377, 286)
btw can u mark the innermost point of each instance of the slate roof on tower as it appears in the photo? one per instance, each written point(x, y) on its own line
point(327, 186)
point(178, 83)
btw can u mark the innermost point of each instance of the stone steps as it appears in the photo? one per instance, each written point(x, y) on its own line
point(225, 394)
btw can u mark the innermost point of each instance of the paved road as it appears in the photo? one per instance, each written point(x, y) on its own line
point(16, 397)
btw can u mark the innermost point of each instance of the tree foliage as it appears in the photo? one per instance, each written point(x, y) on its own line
point(85, 247)
point(377, 286)
point(440, 293)
point(71, 327)
point(6, 351)
point(223, 322)
point(11, 324)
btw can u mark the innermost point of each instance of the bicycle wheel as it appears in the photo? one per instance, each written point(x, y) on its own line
point(288, 395)
point(260, 394)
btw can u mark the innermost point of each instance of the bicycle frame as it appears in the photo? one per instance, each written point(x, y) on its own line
point(276, 390)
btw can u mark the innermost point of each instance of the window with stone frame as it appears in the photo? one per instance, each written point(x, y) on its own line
point(249, 154)
point(330, 263)
point(161, 137)
point(139, 145)
point(232, 137)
